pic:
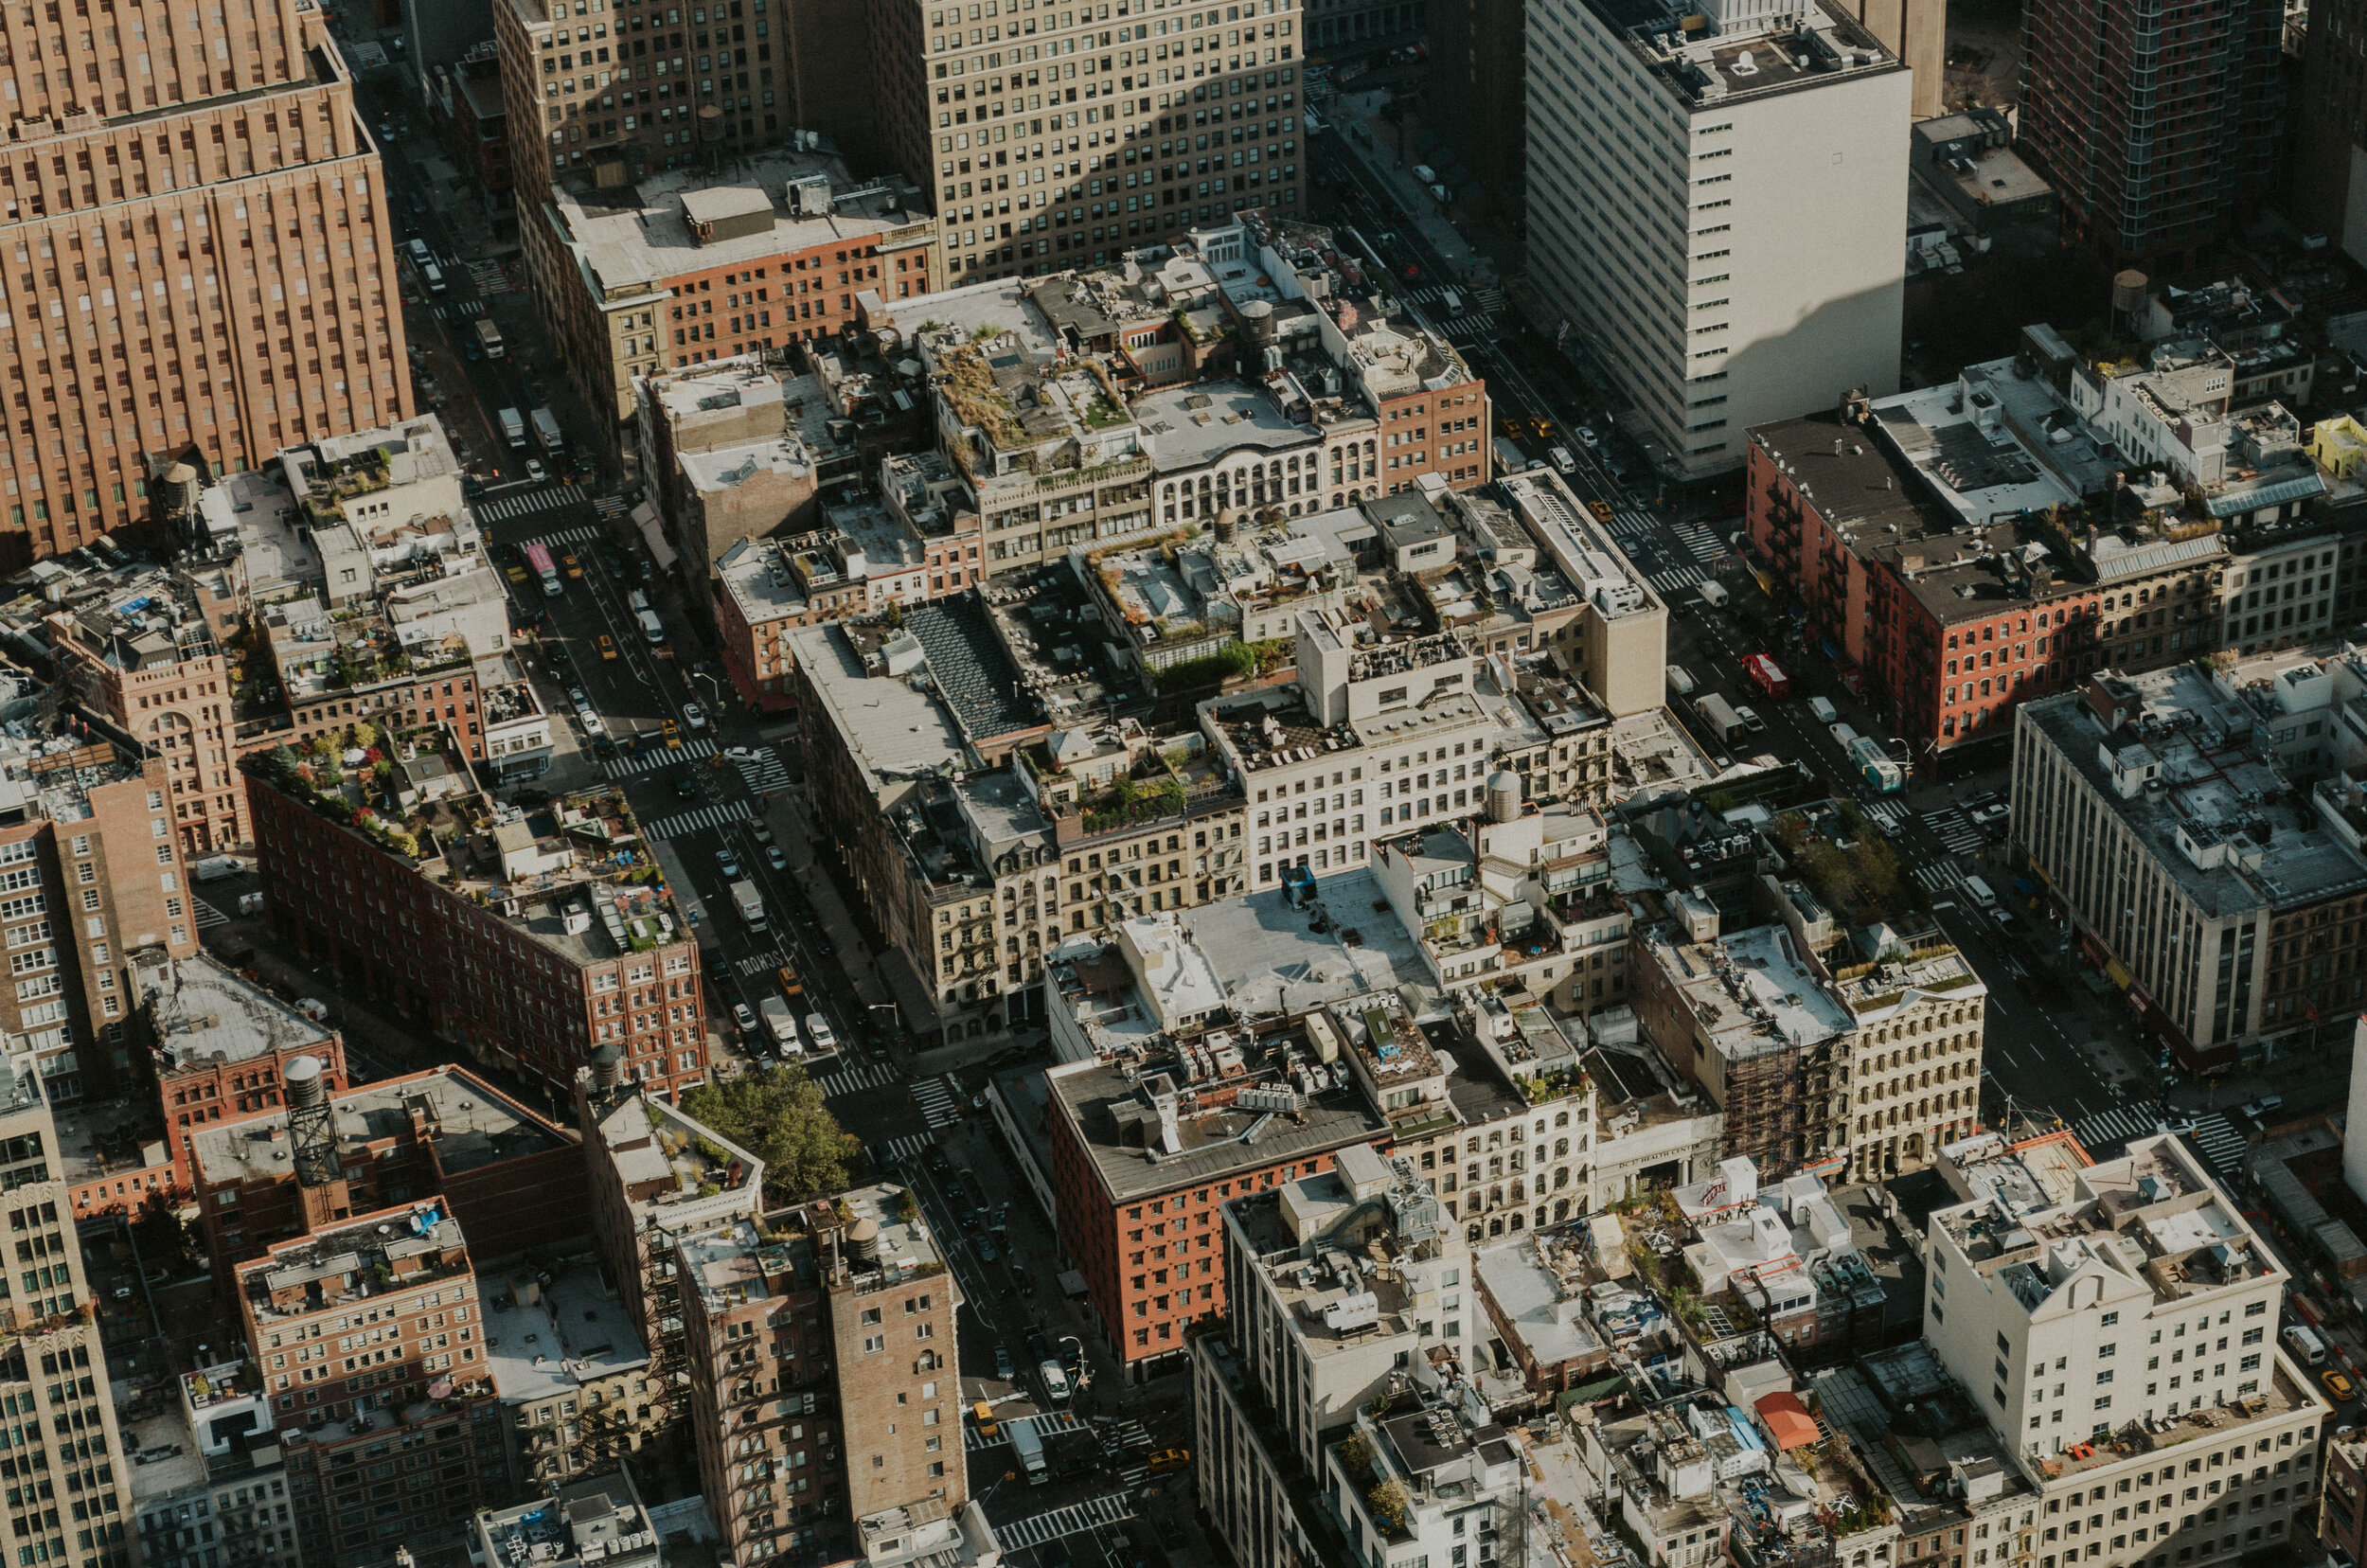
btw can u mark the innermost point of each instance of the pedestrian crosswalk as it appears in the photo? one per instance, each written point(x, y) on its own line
point(641, 762)
point(610, 507)
point(488, 277)
point(1940, 877)
point(1889, 813)
point(1956, 831)
point(1073, 1520)
point(863, 1075)
point(460, 310)
point(2103, 1133)
point(1050, 1424)
point(502, 508)
point(692, 821)
point(2216, 1138)
point(764, 772)
point(1672, 582)
point(1699, 540)
point(906, 1150)
point(938, 1107)
point(209, 916)
point(564, 536)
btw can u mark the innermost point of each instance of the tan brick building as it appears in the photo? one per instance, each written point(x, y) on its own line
point(196, 258)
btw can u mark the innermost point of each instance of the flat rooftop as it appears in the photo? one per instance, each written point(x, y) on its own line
point(1188, 427)
point(1739, 56)
point(1273, 963)
point(1535, 1299)
point(1751, 992)
point(551, 1329)
point(471, 1123)
point(892, 730)
point(1211, 1146)
point(206, 1013)
point(2212, 787)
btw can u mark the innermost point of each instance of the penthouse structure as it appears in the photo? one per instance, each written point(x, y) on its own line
point(228, 141)
point(214, 1490)
point(591, 1521)
point(369, 1332)
point(2033, 1292)
point(2239, 827)
point(530, 941)
point(1730, 248)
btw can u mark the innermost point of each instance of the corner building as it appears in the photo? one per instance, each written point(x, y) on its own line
point(1054, 138)
point(194, 256)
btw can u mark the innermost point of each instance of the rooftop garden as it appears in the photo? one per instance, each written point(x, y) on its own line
point(1859, 877)
point(1552, 1085)
point(341, 481)
point(348, 777)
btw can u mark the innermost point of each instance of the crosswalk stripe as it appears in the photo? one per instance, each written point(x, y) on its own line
point(691, 822)
point(209, 916)
point(1955, 830)
point(1940, 877)
point(1683, 577)
point(1890, 813)
point(1073, 1520)
point(625, 767)
point(2216, 1137)
point(909, 1148)
point(937, 1107)
point(855, 1079)
point(460, 310)
point(564, 535)
point(535, 501)
point(765, 773)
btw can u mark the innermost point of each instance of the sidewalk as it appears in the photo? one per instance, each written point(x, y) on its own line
point(1373, 141)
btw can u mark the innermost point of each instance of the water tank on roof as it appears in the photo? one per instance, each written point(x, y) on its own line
point(862, 1239)
point(303, 1079)
point(1504, 795)
point(2128, 291)
point(1257, 321)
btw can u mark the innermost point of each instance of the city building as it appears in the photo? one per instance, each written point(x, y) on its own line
point(142, 652)
point(213, 1492)
point(95, 887)
point(159, 146)
point(1742, 257)
point(648, 1168)
point(1926, 534)
point(575, 1386)
point(594, 1521)
point(846, 1308)
point(2033, 1291)
point(1202, 124)
point(1967, 160)
point(502, 1170)
point(55, 1366)
point(1478, 86)
point(2200, 832)
point(2328, 118)
point(528, 941)
point(2153, 151)
point(367, 1332)
point(2339, 1518)
point(1958, 1496)
point(683, 267)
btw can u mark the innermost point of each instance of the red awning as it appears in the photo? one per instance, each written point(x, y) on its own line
point(1787, 1420)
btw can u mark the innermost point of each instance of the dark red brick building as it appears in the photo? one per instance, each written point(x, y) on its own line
point(528, 943)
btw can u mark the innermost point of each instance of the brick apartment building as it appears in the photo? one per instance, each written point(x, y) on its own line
point(827, 1349)
point(511, 1177)
point(369, 1338)
point(527, 953)
point(1144, 1232)
point(165, 165)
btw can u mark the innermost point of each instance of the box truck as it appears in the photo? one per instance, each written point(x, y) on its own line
point(1768, 676)
point(750, 904)
point(1718, 715)
point(513, 427)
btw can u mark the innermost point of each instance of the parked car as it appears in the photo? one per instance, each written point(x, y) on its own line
point(686, 782)
point(1003, 1367)
point(729, 861)
point(773, 858)
point(603, 747)
point(536, 473)
point(591, 723)
point(695, 716)
point(744, 1018)
point(2259, 1110)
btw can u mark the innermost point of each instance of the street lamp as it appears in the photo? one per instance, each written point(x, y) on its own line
point(715, 691)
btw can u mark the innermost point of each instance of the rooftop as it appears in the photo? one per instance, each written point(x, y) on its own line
point(471, 1124)
point(1744, 51)
point(597, 1520)
point(394, 1248)
point(633, 241)
point(1190, 427)
point(1751, 992)
point(550, 1328)
point(204, 1013)
point(2184, 758)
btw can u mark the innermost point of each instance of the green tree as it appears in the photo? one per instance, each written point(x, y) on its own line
point(777, 1114)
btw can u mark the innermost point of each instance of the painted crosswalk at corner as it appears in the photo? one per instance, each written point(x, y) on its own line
point(460, 310)
point(641, 762)
point(1955, 830)
point(906, 1150)
point(1940, 877)
point(938, 1107)
point(503, 507)
point(564, 535)
point(1890, 813)
point(1073, 1520)
point(691, 822)
point(2218, 1141)
point(1683, 577)
point(209, 916)
point(854, 1079)
point(764, 772)
point(2102, 1133)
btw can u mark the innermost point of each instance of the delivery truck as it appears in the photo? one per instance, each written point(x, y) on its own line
point(1768, 676)
point(546, 432)
point(750, 904)
point(513, 427)
point(1029, 1448)
point(488, 337)
point(1716, 712)
point(781, 1021)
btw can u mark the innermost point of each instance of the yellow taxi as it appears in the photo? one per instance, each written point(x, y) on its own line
point(575, 567)
point(1169, 1459)
point(674, 737)
point(1538, 428)
point(1601, 511)
point(608, 645)
point(2337, 1384)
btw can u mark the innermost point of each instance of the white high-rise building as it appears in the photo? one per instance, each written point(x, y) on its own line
point(2117, 1324)
point(1718, 208)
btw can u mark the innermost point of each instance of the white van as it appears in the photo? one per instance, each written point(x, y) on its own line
point(1714, 594)
point(1843, 734)
point(651, 627)
point(215, 868)
point(1678, 681)
point(1825, 711)
point(638, 599)
point(1450, 303)
point(2307, 1346)
point(433, 276)
point(1567, 464)
point(1980, 892)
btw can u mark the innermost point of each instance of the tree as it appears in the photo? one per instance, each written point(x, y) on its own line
point(777, 1114)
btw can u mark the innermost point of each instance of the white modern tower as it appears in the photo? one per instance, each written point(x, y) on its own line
point(1718, 208)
